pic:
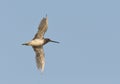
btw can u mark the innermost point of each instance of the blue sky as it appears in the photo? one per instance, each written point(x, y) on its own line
point(88, 32)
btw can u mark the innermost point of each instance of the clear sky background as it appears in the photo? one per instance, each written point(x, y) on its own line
point(89, 36)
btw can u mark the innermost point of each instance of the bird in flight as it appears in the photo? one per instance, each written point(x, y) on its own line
point(38, 42)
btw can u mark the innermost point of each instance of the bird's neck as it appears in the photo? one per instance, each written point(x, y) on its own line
point(45, 41)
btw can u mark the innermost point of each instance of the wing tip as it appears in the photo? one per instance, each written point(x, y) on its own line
point(46, 19)
point(41, 65)
point(41, 68)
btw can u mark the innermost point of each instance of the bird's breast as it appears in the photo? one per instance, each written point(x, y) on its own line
point(37, 42)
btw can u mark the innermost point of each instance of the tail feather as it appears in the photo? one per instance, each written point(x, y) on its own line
point(25, 44)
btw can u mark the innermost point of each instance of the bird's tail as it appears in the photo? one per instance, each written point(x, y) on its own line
point(25, 44)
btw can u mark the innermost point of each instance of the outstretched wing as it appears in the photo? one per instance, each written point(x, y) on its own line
point(40, 59)
point(42, 28)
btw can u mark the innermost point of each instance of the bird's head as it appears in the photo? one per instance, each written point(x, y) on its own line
point(49, 40)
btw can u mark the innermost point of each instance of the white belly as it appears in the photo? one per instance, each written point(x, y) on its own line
point(36, 42)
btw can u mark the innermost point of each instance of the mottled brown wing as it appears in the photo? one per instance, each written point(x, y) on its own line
point(42, 28)
point(40, 58)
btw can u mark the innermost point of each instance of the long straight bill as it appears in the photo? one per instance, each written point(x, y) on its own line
point(54, 41)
